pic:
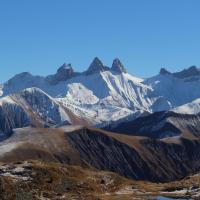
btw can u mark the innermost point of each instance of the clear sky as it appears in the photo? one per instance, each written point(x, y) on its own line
point(40, 35)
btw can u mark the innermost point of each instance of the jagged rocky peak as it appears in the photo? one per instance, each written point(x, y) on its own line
point(163, 71)
point(118, 66)
point(191, 71)
point(96, 66)
point(64, 72)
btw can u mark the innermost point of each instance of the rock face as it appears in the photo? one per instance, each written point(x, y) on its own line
point(64, 73)
point(117, 66)
point(96, 66)
point(11, 116)
point(191, 71)
point(186, 73)
point(163, 71)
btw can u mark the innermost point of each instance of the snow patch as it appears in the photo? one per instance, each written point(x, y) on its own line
point(189, 108)
point(5, 148)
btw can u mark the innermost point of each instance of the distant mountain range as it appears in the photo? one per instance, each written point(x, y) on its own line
point(102, 95)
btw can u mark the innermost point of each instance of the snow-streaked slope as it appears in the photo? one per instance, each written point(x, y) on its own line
point(96, 113)
point(118, 89)
point(102, 94)
point(42, 104)
point(100, 83)
point(32, 107)
point(177, 91)
point(12, 115)
point(189, 108)
point(79, 94)
point(108, 89)
point(98, 97)
point(158, 125)
point(6, 100)
point(107, 96)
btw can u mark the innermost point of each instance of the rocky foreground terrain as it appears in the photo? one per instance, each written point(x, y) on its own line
point(35, 180)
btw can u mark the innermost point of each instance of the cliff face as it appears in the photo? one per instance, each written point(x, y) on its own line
point(11, 116)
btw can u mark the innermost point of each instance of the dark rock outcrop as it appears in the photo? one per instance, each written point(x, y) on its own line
point(11, 116)
point(117, 66)
point(163, 71)
point(64, 73)
point(186, 73)
point(191, 71)
point(96, 66)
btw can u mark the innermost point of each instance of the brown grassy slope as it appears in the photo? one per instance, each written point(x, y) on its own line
point(40, 143)
point(137, 157)
point(133, 157)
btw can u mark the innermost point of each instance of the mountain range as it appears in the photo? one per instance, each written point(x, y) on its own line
point(105, 118)
point(100, 95)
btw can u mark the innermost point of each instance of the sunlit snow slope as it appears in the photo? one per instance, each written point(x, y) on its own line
point(102, 94)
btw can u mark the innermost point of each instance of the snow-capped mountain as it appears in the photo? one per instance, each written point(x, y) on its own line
point(178, 88)
point(102, 94)
point(99, 94)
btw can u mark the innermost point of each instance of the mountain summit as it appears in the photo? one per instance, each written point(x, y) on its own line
point(118, 66)
point(186, 73)
point(64, 72)
point(191, 71)
point(163, 71)
point(96, 66)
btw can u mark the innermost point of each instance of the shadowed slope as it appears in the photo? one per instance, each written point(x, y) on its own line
point(161, 125)
point(130, 156)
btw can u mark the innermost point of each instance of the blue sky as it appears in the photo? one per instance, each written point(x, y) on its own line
point(39, 35)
